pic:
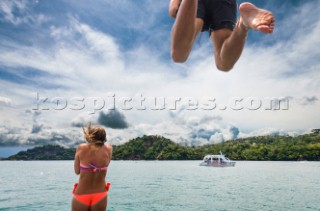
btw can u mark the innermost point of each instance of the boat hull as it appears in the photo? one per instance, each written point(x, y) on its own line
point(219, 164)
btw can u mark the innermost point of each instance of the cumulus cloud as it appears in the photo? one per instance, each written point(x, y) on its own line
point(217, 135)
point(201, 129)
point(217, 138)
point(203, 134)
point(305, 101)
point(270, 132)
point(4, 101)
point(19, 136)
point(234, 132)
point(81, 120)
point(113, 119)
point(36, 128)
point(190, 134)
point(18, 12)
point(63, 137)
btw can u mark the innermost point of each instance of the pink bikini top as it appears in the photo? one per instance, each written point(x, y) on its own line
point(92, 167)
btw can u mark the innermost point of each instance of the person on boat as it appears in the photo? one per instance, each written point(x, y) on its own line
point(91, 162)
point(218, 17)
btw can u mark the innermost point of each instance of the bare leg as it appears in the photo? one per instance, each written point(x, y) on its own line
point(101, 205)
point(185, 29)
point(229, 44)
point(173, 8)
point(78, 206)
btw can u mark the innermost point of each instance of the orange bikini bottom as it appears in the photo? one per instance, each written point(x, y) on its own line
point(92, 198)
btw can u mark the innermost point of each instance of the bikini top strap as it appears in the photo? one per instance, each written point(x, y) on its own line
point(96, 168)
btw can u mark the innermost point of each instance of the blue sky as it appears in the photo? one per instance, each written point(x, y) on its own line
point(97, 49)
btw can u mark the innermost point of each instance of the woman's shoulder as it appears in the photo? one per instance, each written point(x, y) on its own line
point(82, 146)
point(108, 145)
point(108, 148)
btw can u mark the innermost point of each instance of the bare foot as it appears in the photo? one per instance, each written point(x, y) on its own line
point(255, 18)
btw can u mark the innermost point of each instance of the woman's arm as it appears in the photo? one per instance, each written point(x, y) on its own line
point(109, 148)
point(110, 151)
point(77, 161)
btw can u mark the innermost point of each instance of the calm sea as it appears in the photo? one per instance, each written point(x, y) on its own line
point(167, 185)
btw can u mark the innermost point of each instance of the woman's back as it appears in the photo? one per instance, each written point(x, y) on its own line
point(93, 163)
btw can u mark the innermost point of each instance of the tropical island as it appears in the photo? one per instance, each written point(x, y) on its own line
point(262, 148)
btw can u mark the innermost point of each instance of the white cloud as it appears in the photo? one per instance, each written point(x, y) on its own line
point(270, 132)
point(18, 12)
point(84, 60)
point(5, 101)
point(312, 100)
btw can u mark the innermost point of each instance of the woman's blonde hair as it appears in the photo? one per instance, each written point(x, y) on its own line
point(96, 135)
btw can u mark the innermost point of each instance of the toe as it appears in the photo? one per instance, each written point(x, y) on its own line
point(265, 29)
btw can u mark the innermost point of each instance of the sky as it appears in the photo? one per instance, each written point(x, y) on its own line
point(65, 63)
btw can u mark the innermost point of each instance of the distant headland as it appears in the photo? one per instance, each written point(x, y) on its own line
point(262, 148)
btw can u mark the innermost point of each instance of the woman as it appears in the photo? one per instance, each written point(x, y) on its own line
point(91, 162)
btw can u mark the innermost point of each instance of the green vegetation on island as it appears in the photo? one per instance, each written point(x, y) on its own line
point(286, 148)
point(154, 148)
point(273, 148)
point(47, 152)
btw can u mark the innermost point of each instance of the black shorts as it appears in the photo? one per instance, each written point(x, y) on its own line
point(217, 14)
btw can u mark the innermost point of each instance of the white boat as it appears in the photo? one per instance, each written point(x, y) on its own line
point(217, 161)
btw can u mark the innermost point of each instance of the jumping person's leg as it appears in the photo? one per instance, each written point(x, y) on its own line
point(228, 45)
point(173, 8)
point(185, 28)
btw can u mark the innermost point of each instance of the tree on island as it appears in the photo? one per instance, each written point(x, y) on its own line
point(304, 147)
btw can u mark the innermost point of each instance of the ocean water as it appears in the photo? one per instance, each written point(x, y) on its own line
point(167, 185)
